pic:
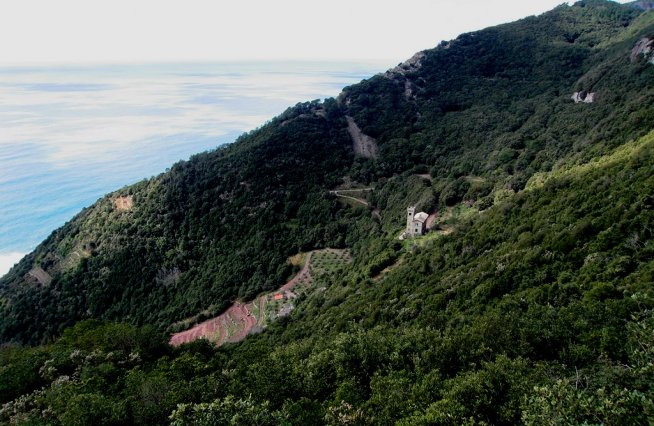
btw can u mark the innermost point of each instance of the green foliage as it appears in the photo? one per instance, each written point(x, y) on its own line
point(220, 226)
point(587, 402)
point(534, 307)
point(95, 409)
point(228, 411)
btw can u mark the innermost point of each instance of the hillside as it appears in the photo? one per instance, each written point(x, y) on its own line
point(530, 301)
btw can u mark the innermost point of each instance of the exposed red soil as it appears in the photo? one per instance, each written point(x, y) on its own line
point(239, 316)
point(202, 330)
point(215, 329)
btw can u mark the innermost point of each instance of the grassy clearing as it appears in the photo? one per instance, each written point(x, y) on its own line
point(298, 259)
point(327, 261)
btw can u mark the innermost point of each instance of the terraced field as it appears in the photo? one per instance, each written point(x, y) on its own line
point(241, 319)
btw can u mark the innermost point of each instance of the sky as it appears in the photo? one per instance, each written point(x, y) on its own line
point(91, 31)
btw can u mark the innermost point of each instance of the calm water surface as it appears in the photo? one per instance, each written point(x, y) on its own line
point(68, 135)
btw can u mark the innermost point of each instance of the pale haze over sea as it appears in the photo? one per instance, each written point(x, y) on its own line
point(68, 135)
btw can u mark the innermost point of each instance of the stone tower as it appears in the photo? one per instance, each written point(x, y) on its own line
point(411, 211)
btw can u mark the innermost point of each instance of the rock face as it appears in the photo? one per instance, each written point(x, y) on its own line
point(645, 47)
point(587, 98)
point(408, 90)
point(364, 145)
point(38, 274)
point(413, 64)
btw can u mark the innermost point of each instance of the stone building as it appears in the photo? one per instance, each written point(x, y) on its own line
point(416, 223)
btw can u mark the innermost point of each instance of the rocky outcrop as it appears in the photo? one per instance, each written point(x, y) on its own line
point(413, 64)
point(39, 275)
point(645, 47)
point(408, 90)
point(364, 145)
point(587, 98)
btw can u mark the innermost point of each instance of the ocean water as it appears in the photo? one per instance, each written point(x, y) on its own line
point(68, 135)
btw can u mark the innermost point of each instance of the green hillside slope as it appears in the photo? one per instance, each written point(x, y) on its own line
point(494, 104)
point(530, 301)
point(537, 311)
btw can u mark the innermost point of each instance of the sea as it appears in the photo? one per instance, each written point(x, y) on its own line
point(70, 134)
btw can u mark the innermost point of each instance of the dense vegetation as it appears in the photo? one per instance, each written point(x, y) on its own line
point(533, 303)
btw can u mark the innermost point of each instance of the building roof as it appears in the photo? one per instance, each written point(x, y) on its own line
point(420, 217)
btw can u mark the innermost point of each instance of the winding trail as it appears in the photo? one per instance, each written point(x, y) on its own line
point(304, 271)
point(339, 193)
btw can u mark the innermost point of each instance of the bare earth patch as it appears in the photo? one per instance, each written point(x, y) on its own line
point(297, 259)
point(364, 145)
point(40, 275)
point(124, 203)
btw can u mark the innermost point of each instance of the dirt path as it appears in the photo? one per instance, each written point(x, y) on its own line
point(353, 190)
point(340, 193)
point(304, 271)
point(358, 200)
